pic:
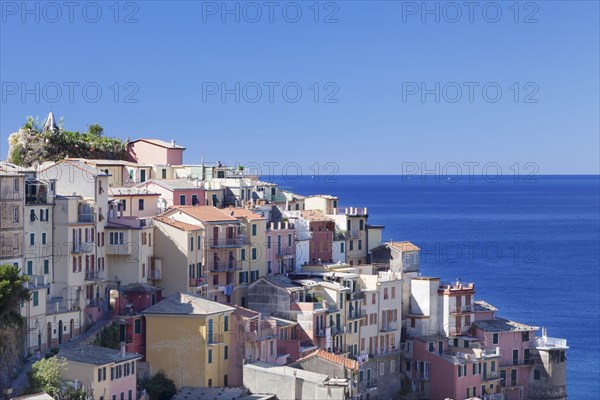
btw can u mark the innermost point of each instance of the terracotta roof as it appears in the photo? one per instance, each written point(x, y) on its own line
point(334, 358)
point(160, 143)
point(204, 213)
point(313, 215)
point(96, 355)
point(174, 184)
point(245, 312)
point(243, 213)
point(404, 246)
point(184, 226)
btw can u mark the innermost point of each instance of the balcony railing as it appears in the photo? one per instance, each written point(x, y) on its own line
point(287, 251)
point(224, 266)
point(94, 275)
point(338, 329)
point(355, 296)
point(549, 342)
point(214, 338)
point(389, 327)
point(199, 281)
point(85, 217)
point(357, 314)
point(491, 376)
point(38, 198)
point(353, 234)
point(228, 242)
point(83, 248)
point(155, 274)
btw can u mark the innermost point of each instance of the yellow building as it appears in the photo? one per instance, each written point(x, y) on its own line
point(189, 338)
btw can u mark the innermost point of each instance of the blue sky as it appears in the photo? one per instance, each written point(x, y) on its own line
point(393, 80)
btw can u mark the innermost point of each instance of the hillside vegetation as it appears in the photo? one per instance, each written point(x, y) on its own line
point(32, 144)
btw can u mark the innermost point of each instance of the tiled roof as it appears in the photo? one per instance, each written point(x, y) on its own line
point(187, 304)
point(243, 213)
point(131, 191)
point(174, 184)
point(503, 325)
point(204, 213)
point(481, 305)
point(334, 358)
point(77, 163)
point(289, 371)
point(160, 143)
point(404, 246)
point(184, 226)
point(313, 215)
point(245, 312)
point(96, 355)
point(139, 287)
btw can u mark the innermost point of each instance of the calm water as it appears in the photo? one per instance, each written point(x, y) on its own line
point(532, 248)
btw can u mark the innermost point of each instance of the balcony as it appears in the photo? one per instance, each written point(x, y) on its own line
point(491, 376)
point(228, 242)
point(85, 215)
point(465, 308)
point(202, 280)
point(355, 296)
point(338, 330)
point(214, 338)
point(93, 276)
point(389, 327)
point(353, 234)
point(80, 248)
point(371, 384)
point(155, 274)
point(288, 251)
point(224, 266)
point(359, 314)
point(549, 343)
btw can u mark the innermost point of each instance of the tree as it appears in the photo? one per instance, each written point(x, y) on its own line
point(95, 130)
point(47, 376)
point(12, 292)
point(159, 387)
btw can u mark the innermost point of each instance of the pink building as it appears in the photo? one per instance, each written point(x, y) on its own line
point(176, 192)
point(255, 340)
point(154, 151)
point(133, 299)
point(108, 374)
point(322, 229)
point(280, 247)
point(514, 340)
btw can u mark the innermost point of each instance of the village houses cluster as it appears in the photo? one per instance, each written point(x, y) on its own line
point(225, 281)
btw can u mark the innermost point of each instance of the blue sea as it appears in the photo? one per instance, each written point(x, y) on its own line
point(532, 246)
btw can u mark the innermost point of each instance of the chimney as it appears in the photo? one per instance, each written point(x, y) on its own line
point(172, 142)
point(122, 349)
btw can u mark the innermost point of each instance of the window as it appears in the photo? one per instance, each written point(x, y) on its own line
point(462, 370)
point(130, 395)
point(289, 239)
point(15, 214)
point(537, 374)
point(210, 356)
point(99, 374)
point(192, 243)
point(243, 255)
point(31, 239)
point(36, 298)
point(182, 199)
point(122, 395)
point(381, 368)
point(526, 336)
point(141, 204)
point(254, 253)
point(194, 199)
point(253, 229)
point(133, 367)
point(513, 377)
point(342, 247)
point(32, 216)
point(43, 237)
point(495, 338)
point(271, 347)
point(137, 326)
point(431, 347)
point(226, 352)
point(29, 267)
point(361, 225)
point(351, 245)
point(112, 377)
point(225, 380)
point(164, 173)
point(359, 244)
point(210, 382)
point(46, 267)
point(225, 323)
point(123, 205)
point(515, 357)
point(268, 242)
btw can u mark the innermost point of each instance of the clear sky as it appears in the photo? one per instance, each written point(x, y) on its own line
point(385, 85)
